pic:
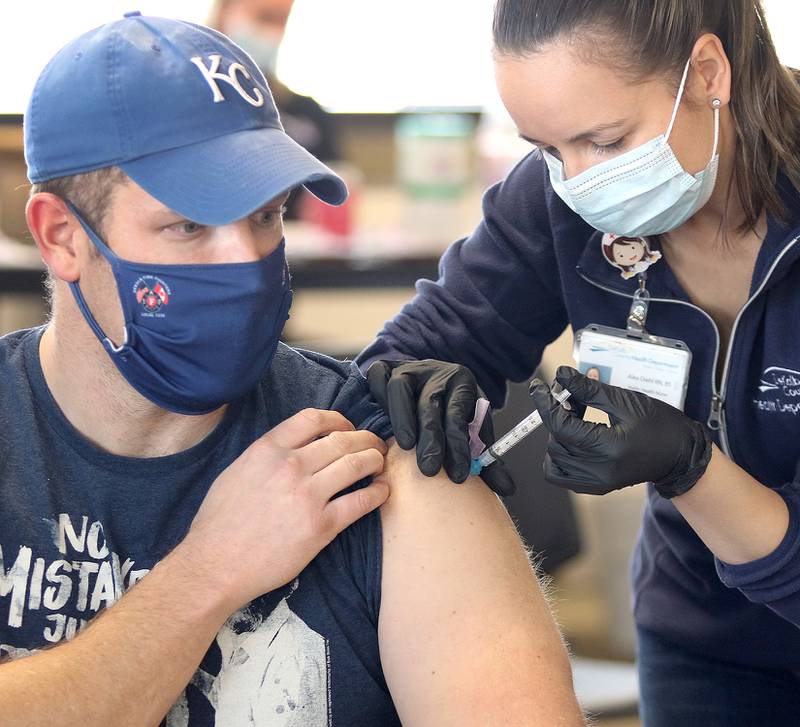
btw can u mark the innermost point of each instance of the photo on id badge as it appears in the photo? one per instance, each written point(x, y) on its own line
point(595, 372)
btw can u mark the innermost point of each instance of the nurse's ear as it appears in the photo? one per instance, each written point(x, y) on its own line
point(712, 77)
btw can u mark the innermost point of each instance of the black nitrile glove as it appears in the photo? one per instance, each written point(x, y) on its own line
point(648, 440)
point(431, 404)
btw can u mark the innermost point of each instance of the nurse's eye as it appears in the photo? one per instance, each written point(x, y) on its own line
point(539, 148)
point(607, 148)
point(551, 150)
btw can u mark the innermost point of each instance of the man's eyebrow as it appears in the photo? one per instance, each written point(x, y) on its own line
point(599, 129)
point(276, 202)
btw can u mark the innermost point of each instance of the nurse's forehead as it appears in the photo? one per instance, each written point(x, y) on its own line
point(553, 95)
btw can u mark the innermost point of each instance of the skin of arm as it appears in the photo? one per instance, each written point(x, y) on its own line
point(466, 636)
point(738, 518)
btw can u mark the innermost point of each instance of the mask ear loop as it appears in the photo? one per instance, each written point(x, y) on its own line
point(78, 293)
point(681, 89)
point(716, 104)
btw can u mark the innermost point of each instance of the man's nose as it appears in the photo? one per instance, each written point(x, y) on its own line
point(244, 245)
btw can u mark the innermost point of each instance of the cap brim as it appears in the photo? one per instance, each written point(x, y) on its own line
point(218, 181)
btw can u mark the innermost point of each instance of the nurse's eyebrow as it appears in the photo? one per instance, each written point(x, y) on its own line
point(581, 137)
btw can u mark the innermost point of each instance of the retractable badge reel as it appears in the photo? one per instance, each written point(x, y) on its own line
point(633, 358)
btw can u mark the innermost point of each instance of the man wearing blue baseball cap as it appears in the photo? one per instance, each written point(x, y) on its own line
point(156, 434)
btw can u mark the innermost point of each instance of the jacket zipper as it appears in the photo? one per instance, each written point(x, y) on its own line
point(716, 415)
point(725, 368)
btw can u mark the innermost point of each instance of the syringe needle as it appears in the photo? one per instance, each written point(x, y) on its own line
point(513, 437)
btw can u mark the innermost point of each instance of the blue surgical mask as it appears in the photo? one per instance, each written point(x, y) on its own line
point(196, 336)
point(643, 192)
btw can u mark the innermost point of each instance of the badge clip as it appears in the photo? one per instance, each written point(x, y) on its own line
point(637, 317)
point(632, 256)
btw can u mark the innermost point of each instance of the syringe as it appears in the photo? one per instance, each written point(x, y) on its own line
point(529, 424)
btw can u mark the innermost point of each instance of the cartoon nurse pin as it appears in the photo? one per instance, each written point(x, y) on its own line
point(631, 255)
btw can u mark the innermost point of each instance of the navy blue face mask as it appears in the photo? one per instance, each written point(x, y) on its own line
point(196, 336)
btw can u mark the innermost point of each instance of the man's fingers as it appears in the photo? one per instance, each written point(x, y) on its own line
point(402, 405)
point(345, 471)
point(306, 426)
point(319, 454)
point(345, 510)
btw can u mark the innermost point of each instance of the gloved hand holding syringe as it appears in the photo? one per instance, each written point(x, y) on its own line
point(528, 425)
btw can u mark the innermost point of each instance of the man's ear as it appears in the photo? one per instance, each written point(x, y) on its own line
point(56, 231)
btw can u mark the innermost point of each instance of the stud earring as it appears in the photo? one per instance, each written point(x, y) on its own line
point(716, 103)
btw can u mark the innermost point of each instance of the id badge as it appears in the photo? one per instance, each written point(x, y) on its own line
point(652, 365)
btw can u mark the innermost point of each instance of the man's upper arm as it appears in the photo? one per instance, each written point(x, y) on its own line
point(466, 637)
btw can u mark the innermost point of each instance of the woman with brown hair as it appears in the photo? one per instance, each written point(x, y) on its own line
point(672, 121)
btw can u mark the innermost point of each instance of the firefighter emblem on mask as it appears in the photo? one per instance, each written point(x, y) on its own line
point(152, 294)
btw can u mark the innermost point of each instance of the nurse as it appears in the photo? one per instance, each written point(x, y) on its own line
point(672, 124)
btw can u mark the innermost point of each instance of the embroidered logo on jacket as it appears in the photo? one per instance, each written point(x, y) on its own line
point(780, 391)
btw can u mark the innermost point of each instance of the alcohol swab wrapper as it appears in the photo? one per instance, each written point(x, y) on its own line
point(476, 445)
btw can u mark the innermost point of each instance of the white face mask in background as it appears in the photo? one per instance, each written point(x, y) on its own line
point(642, 192)
point(262, 47)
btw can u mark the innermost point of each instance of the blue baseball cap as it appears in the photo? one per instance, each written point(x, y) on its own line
point(180, 108)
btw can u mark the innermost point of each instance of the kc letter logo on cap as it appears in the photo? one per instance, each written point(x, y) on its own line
point(212, 75)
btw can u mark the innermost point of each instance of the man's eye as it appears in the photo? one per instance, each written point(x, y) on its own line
point(270, 216)
point(188, 227)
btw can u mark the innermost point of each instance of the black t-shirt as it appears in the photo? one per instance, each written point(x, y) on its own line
point(79, 526)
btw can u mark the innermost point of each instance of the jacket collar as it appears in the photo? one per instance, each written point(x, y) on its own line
point(779, 250)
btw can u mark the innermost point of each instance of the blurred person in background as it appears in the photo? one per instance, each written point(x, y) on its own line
point(259, 26)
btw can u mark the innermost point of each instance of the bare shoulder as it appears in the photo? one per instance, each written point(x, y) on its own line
point(462, 609)
point(411, 490)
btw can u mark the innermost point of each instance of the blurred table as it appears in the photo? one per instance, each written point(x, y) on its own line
point(347, 272)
